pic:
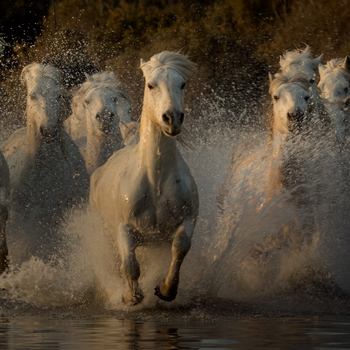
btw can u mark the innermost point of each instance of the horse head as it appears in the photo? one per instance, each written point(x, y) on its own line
point(105, 102)
point(291, 103)
point(334, 82)
point(165, 78)
point(44, 99)
point(300, 61)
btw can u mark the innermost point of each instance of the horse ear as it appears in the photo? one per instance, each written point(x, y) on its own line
point(270, 77)
point(346, 64)
point(88, 77)
point(321, 69)
point(318, 59)
point(307, 50)
point(22, 77)
point(144, 67)
point(282, 59)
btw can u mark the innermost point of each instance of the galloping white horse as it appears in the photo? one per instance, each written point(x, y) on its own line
point(145, 192)
point(272, 164)
point(47, 172)
point(334, 85)
point(101, 121)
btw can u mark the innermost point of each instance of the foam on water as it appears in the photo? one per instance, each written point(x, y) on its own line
point(83, 266)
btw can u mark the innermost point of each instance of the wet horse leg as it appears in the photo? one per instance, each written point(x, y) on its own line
point(181, 244)
point(130, 268)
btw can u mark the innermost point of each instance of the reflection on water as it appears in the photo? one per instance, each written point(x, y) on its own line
point(35, 332)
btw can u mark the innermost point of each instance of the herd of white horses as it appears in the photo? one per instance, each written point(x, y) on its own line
point(133, 173)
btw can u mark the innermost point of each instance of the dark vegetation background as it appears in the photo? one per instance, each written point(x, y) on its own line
point(234, 42)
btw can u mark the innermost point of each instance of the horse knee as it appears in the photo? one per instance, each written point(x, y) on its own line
point(130, 268)
point(182, 244)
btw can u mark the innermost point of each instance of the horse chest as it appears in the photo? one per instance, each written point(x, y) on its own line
point(159, 209)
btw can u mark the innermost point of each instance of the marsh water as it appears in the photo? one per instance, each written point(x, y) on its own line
point(70, 297)
point(27, 332)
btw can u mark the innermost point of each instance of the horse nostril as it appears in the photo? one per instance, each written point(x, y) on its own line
point(296, 116)
point(167, 118)
point(182, 116)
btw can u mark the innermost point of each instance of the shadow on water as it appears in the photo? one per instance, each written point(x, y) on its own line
point(218, 278)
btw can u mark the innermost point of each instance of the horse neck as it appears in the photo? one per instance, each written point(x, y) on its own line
point(33, 135)
point(157, 152)
point(276, 147)
point(337, 117)
point(99, 147)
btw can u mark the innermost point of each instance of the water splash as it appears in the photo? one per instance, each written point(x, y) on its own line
point(83, 269)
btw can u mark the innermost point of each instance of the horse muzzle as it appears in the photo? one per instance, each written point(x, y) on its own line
point(295, 120)
point(172, 122)
point(49, 133)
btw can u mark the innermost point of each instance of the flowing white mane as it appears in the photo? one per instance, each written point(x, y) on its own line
point(36, 70)
point(335, 65)
point(298, 57)
point(172, 60)
point(286, 78)
point(102, 80)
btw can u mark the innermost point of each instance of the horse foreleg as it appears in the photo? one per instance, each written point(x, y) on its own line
point(181, 244)
point(130, 268)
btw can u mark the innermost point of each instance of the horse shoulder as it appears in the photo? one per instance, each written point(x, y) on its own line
point(106, 179)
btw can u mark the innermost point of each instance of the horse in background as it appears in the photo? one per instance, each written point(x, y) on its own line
point(145, 192)
point(334, 86)
point(271, 169)
point(47, 172)
point(101, 120)
point(300, 61)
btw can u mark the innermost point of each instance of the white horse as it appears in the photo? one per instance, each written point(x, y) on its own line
point(47, 172)
point(101, 120)
point(266, 166)
point(145, 192)
point(334, 85)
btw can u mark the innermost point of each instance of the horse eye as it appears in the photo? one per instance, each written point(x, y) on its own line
point(87, 102)
point(346, 90)
point(312, 81)
point(306, 98)
point(150, 86)
point(276, 98)
point(183, 86)
point(33, 96)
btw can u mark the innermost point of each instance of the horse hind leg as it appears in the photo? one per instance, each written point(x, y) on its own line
point(167, 290)
point(3, 245)
point(130, 268)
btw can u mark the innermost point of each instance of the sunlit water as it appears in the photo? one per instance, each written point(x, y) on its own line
point(26, 332)
point(73, 300)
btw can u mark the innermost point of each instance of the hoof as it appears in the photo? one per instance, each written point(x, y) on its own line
point(132, 301)
point(163, 297)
